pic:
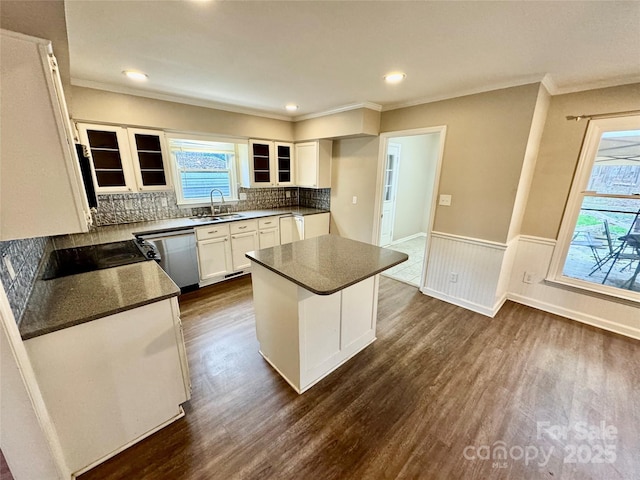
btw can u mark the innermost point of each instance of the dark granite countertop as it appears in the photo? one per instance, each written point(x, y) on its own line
point(116, 233)
point(327, 264)
point(67, 301)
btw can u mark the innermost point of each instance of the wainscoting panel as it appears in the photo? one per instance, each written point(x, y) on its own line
point(534, 257)
point(478, 266)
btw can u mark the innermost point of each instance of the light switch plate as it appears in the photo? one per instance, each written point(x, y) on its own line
point(445, 200)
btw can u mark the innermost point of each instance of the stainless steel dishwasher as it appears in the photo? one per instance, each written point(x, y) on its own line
point(178, 256)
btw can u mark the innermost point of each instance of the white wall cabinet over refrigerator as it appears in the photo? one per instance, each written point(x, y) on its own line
point(313, 164)
point(126, 159)
point(121, 378)
point(298, 227)
point(41, 188)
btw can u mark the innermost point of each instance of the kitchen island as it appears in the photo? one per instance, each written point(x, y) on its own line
point(316, 303)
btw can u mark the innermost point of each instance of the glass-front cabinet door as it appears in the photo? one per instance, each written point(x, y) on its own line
point(261, 153)
point(126, 159)
point(110, 158)
point(284, 164)
point(149, 159)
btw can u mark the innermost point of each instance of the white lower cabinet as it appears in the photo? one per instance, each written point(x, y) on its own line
point(118, 379)
point(242, 243)
point(214, 257)
point(269, 232)
point(299, 227)
point(214, 252)
point(269, 237)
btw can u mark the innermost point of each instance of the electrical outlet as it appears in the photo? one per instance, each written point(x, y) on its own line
point(287, 194)
point(7, 264)
point(453, 277)
point(163, 202)
point(354, 200)
point(529, 277)
point(445, 200)
point(243, 196)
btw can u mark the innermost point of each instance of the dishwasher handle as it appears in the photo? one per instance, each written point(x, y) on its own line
point(160, 236)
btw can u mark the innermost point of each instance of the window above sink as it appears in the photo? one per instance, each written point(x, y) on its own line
point(201, 164)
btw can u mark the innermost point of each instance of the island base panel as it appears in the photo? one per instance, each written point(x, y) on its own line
point(305, 336)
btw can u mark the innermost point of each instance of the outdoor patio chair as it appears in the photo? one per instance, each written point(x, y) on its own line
point(584, 239)
point(631, 256)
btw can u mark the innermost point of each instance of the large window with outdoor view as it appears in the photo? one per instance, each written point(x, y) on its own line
point(599, 242)
point(203, 165)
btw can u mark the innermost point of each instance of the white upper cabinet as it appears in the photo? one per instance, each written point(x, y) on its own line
point(148, 153)
point(284, 164)
point(271, 164)
point(41, 189)
point(110, 158)
point(313, 164)
point(126, 159)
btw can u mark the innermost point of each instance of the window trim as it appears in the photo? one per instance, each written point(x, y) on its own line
point(590, 146)
point(234, 170)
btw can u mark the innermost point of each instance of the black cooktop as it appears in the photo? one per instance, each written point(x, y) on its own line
point(70, 261)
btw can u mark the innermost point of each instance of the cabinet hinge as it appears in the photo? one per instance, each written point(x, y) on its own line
point(52, 62)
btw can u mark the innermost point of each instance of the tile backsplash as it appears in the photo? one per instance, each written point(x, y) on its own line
point(25, 256)
point(315, 197)
point(138, 207)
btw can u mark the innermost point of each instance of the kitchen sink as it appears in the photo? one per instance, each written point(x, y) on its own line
point(218, 217)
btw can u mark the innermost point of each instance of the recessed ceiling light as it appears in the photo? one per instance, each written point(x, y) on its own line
point(133, 75)
point(291, 107)
point(395, 77)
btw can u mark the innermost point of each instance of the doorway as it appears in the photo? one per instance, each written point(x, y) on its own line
point(409, 172)
point(391, 172)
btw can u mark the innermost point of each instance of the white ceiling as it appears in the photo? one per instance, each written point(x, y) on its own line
point(327, 55)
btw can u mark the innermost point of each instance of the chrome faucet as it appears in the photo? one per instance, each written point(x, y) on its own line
point(213, 210)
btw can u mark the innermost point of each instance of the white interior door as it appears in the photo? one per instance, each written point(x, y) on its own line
point(389, 188)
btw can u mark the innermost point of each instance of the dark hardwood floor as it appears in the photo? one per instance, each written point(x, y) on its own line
point(432, 398)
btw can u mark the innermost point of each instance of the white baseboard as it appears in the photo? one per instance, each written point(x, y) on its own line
point(578, 316)
point(410, 237)
point(460, 302)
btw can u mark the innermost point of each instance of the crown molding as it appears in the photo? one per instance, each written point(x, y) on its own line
point(605, 83)
point(549, 84)
point(197, 102)
point(463, 93)
point(344, 108)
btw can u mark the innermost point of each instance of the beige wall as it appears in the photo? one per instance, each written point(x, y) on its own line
point(361, 121)
point(530, 158)
point(42, 19)
point(560, 150)
point(418, 161)
point(353, 172)
point(101, 106)
point(484, 151)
